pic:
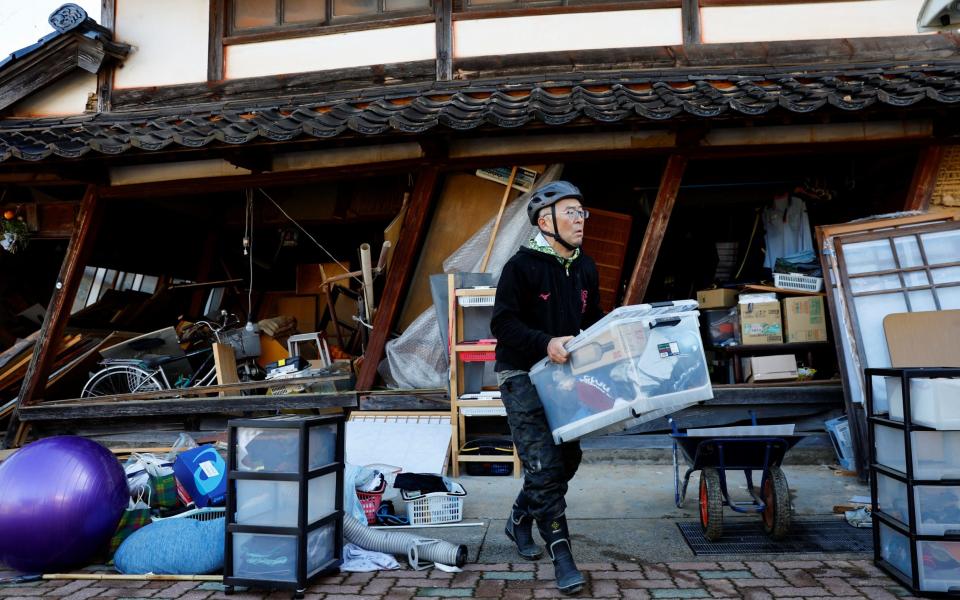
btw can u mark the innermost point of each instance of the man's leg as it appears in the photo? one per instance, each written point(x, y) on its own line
point(546, 471)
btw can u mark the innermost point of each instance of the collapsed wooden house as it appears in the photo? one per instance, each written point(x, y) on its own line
point(132, 138)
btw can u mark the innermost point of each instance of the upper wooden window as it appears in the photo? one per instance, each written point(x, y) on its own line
point(251, 16)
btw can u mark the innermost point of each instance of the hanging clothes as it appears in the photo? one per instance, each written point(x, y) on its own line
point(787, 229)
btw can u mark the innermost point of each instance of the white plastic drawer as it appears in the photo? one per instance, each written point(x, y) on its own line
point(635, 361)
point(935, 402)
point(276, 450)
point(938, 509)
point(895, 549)
point(936, 454)
point(264, 557)
point(892, 498)
point(275, 503)
point(939, 566)
point(321, 547)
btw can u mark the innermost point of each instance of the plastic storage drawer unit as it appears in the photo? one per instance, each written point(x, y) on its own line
point(934, 402)
point(636, 361)
point(936, 454)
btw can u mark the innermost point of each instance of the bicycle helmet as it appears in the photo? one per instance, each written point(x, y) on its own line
point(548, 195)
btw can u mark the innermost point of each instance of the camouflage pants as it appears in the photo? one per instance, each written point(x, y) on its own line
point(547, 467)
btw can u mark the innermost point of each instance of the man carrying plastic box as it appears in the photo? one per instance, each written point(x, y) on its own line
point(548, 291)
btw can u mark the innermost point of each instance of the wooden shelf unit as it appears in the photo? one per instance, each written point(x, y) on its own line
point(458, 414)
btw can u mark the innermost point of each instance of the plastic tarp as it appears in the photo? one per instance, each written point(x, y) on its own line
point(418, 358)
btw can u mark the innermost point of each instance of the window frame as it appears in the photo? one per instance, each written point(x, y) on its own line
point(330, 24)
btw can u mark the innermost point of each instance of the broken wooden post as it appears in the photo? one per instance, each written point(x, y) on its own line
point(58, 311)
point(924, 178)
point(496, 224)
point(398, 277)
point(656, 228)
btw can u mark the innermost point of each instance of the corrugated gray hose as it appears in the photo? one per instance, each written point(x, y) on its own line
point(414, 547)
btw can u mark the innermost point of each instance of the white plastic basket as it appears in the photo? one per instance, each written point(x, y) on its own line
point(436, 507)
point(795, 281)
point(468, 301)
point(208, 513)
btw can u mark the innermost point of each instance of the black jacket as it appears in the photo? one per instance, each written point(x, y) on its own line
point(539, 299)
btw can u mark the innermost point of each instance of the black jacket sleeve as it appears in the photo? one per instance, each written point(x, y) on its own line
point(593, 313)
point(507, 324)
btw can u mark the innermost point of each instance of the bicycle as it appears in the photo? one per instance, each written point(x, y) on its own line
point(130, 375)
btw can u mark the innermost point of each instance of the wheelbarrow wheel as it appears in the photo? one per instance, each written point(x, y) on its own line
point(711, 504)
point(776, 497)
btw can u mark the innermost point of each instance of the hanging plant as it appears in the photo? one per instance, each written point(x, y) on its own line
point(15, 232)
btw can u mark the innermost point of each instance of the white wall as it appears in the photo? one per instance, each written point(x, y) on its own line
point(576, 31)
point(335, 51)
point(169, 39)
point(62, 98)
point(23, 22)
point(814, 21)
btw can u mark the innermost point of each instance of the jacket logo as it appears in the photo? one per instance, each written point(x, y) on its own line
point(583, 301)
point(545, 297)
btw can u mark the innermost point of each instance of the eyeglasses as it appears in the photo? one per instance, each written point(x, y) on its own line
point(573, 214)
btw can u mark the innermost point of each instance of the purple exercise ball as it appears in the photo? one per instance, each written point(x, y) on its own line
point(61, 499)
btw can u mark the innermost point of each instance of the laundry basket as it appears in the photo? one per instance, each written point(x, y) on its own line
point(436, 507)
point(795, 281)
point(370, 501)
point(208, 513)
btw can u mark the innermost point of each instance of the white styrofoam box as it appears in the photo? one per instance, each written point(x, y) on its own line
point(936, 454)
point(275, 503)
point(277, 450)
point(892, 498)
point(939, 566)
point(281, 549)
point(895, 549)
point(935, 402)
point(636, 360)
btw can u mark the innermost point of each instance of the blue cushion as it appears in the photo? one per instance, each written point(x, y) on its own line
point(173, 547)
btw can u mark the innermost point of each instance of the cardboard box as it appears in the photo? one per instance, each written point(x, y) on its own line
point(779, 367)
point(760, 323)
point(717, 298)
point(804, 319)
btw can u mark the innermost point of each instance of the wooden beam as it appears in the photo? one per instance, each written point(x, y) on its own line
point(690, 17)
point(924, 178)
point(215, 43)
point(183, 406)
point(58, 311)
point(401, 269)
point(444, 26)
point(656, 228)
point(108, 9)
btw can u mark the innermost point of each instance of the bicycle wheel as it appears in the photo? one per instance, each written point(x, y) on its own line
point(121, 379)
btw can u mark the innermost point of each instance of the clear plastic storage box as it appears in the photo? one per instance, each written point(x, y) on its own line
point(935, 402)
point(637, 363)
point(936, 454)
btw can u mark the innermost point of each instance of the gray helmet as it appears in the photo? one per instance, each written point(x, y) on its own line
point(549, 195)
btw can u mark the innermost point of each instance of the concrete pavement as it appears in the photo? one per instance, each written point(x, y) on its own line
point(623, 522)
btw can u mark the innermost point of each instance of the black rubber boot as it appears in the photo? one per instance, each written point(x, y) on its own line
point(520, 530)
point(557, 537)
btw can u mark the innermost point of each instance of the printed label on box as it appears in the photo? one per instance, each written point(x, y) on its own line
point(209, 469)
point(668, 349)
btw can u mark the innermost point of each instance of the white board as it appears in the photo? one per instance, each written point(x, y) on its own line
point(414, 447)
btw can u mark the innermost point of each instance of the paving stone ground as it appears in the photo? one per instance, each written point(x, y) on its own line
point(749, 580)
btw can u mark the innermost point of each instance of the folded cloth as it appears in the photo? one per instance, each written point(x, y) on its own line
point(358, 560)
point(859, 518)
point(425, 483)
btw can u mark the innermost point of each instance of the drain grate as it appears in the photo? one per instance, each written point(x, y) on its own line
point(746, 536)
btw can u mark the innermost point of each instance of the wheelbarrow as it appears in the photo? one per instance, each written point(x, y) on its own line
point(714, 455)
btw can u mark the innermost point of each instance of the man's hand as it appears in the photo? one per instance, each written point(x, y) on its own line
point(556, 351)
